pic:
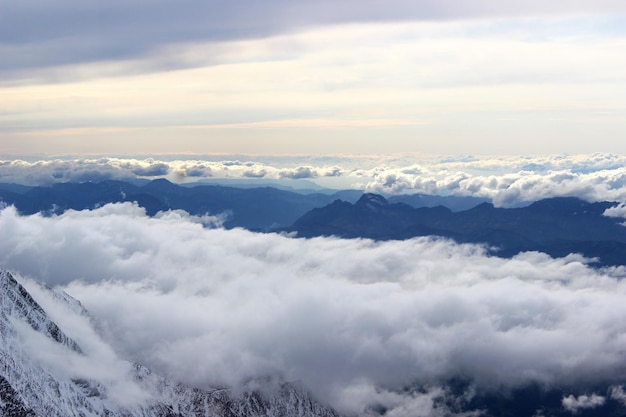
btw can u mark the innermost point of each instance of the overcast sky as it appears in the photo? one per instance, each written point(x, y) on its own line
point(285, 77)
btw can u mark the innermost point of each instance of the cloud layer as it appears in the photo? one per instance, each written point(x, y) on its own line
point(505, 180)
point(64, 33)
point(354, 320)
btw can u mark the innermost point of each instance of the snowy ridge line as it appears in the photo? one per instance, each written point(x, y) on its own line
point(22, 305)
point(31, 385)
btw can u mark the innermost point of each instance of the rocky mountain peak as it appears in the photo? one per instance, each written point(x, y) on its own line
point(372, 201)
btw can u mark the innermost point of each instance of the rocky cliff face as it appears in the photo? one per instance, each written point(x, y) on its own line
point(45, 372)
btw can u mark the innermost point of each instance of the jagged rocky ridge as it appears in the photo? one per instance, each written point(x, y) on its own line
point(31, 385)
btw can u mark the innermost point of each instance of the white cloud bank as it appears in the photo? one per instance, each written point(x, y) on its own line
point(505, 180)
point(575, 404)
point(354, 320)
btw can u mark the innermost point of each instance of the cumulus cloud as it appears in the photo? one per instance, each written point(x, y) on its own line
point(151, 170)
point(616, 211)
point(79, 170)
point(575, 404)
point(346, 317)
point(255, 173)
point(507, 181)
point(205, 220)
point(310, 172)
point(46, 172)
point(190, 169)
point(332, 172)
point(298, 173)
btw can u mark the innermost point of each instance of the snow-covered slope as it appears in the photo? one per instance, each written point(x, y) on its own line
point(49, 368)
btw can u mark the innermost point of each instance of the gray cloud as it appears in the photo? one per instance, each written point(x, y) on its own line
point(198, 170)
point(575, 404)
point(49, 172)
point(333, 172)
point(79, 170)
point(68, 33)
point(61, 32)
point(188, 169)
point(617, 393)
point(298, 173)
point(152, 170)
point(509, 181)
point(205, 220)
point(214, 306)
point(255, 173)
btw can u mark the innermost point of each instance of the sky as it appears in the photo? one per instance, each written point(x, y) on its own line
point(355, 321)
point(280, 77)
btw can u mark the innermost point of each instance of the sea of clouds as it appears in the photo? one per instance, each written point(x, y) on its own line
point(507, 181)
point(355, 321)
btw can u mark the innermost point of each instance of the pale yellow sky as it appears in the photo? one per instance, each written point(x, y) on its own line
point(477, 86)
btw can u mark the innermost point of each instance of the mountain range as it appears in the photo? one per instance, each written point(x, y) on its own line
point(557, 226)
point(261, 208)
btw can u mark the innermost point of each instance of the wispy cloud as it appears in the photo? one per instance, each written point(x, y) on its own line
point(575, 404)
point(309, 123)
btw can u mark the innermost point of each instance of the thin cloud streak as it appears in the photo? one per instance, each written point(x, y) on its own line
point(310, 123)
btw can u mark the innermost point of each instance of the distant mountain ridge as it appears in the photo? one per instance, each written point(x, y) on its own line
point(260, 208)
point(557, 226)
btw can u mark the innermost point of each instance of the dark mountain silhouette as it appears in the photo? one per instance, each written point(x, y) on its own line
point(454, 203)
point(261, 208)
point(557, 226)
point(254, 208)
point(15, 188)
